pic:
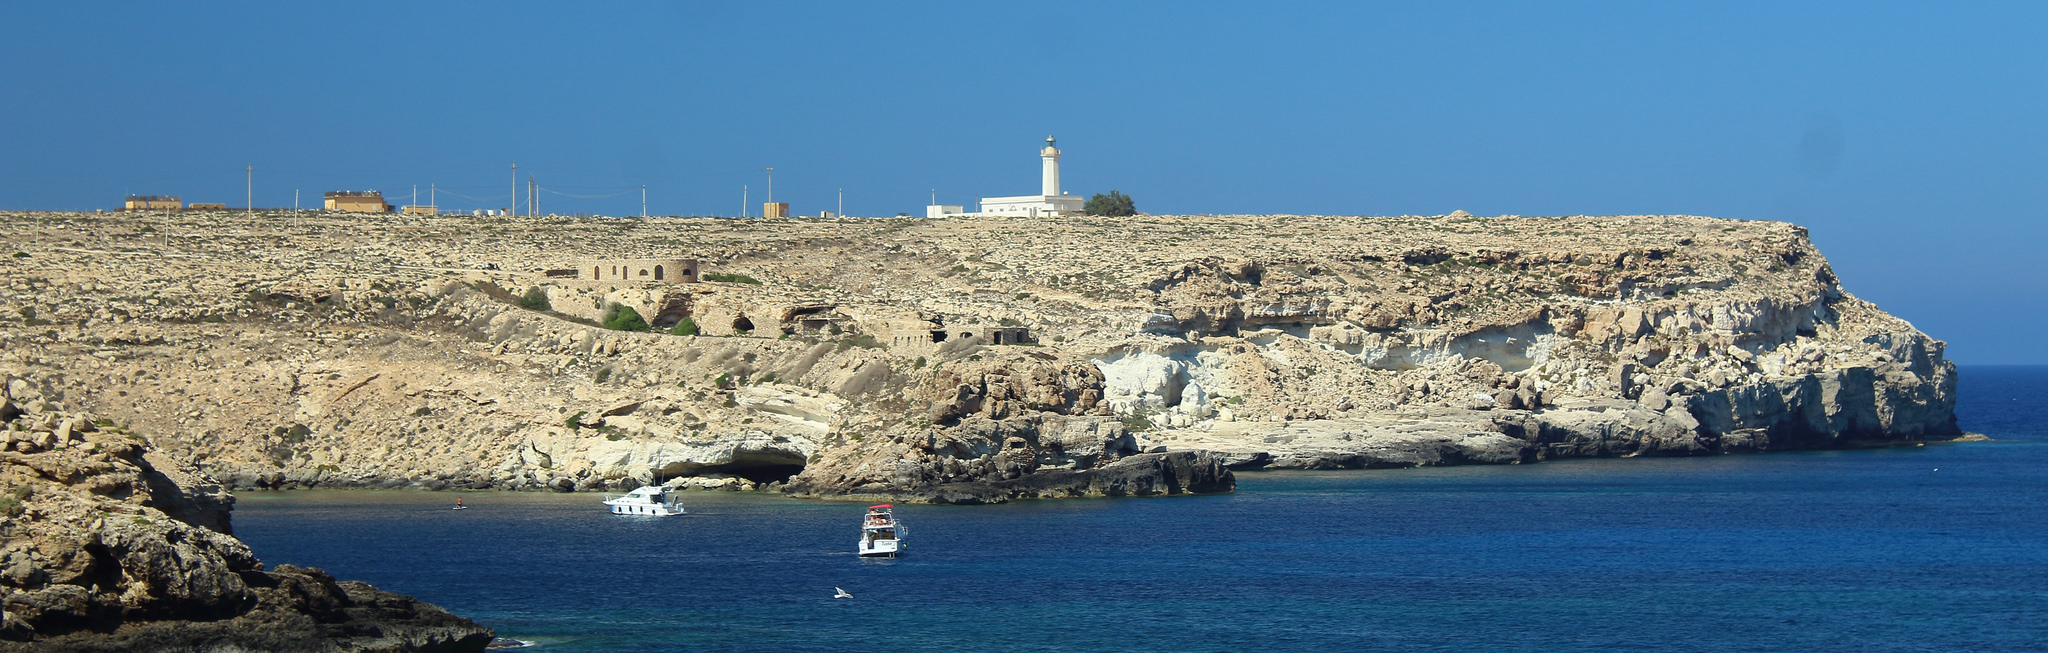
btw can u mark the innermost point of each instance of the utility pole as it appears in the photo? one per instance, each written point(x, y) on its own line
point(295, 205)
point(514, 210)
point(251, 206)
point(433, 198)
point(771, 188)
point(415, 194)
point(643, 200)
point(841, 213)
point(743, 200)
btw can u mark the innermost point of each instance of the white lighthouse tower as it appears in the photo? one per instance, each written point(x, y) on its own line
point(1048, 202)
point(1051, 155)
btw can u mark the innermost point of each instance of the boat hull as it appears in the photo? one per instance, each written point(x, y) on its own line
point(882, 550)
point(654, 510)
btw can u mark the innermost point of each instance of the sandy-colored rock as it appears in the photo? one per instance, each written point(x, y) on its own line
point(109, 546)
point(880, 356)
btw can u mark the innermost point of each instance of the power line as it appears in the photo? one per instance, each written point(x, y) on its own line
point(545, 189)
point(490, 198)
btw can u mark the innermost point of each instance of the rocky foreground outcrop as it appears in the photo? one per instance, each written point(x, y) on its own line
point(110, 546)
point(954, 359)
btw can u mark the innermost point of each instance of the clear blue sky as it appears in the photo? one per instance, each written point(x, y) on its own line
point(1908, 137)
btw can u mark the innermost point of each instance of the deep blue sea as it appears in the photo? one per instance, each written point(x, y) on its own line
point(1935, 548)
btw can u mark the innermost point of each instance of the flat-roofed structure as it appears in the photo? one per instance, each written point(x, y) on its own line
point(357, 201)
point(1050, 202)
point(153, 203)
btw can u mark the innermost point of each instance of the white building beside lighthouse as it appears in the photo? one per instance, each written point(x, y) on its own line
point(1049, 202)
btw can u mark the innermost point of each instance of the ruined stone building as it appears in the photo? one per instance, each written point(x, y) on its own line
point(934, 331)
point(664, 270)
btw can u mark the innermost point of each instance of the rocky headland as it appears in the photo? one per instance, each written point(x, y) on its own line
point(108, 545)
point(958, 360)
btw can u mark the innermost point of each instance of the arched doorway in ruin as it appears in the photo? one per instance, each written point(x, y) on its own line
point(657, 273)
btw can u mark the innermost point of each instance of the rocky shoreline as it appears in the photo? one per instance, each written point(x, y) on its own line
point(110, 546)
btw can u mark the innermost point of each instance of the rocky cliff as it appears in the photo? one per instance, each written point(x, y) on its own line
point(110, 546)
point(961, 359)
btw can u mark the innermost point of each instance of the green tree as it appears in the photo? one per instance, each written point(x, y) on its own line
point(1115, 205)
point(535, 299)
point(623, 318)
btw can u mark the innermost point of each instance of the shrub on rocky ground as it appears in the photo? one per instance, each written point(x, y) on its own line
point(731, 278)
point(535, 299)
point(686, 327)
point(623, 318)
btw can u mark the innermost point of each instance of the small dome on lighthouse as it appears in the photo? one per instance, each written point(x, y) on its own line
point(1050, 147)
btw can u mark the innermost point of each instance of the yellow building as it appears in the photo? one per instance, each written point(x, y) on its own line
point(357, 201)
point(775, 209)
point(153, 203)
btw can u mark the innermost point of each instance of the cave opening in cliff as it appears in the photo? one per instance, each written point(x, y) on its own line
point(742, 324)
point(763, 473)
point(765, 465)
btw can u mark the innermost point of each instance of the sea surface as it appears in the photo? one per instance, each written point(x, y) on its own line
point(1936, 548)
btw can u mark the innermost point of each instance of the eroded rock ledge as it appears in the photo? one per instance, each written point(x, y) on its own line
point(108, 546)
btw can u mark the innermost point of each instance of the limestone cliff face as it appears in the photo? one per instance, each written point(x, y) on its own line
point(368, 351)
point(1022, 425)
point(107, 546)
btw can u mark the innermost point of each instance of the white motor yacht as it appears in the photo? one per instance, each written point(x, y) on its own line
point(881, 536)
point(648, 500)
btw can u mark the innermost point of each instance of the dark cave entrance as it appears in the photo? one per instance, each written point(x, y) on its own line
point(761, 473)
point(759, 466)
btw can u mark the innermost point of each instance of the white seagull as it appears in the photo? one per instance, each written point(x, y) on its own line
point(840, 593)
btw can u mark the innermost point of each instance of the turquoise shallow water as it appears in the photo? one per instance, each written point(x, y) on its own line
point(1935, 548)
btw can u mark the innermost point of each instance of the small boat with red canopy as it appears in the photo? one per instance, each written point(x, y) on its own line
point(881, 536)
